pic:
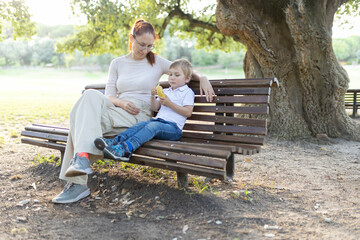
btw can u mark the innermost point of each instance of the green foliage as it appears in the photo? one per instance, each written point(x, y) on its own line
point(54, 32)
point(51, 159)
point(41, 52)
point(104, 162)
point(341, 49)
point(15, 14)
point(346, 49)
point(350, 8)
point(109, 22)
point(199, 184)
point(244, 194)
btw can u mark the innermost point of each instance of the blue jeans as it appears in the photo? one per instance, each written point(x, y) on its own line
point(143, 132)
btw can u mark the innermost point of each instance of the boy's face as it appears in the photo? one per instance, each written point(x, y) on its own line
point(177, 77)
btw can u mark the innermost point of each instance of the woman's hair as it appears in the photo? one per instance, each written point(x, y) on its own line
point(185, 66)
point(140, 27)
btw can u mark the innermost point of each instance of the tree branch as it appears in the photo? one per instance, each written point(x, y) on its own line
point(177, 12)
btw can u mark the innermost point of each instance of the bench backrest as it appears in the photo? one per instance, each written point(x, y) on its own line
point(236, 117)
point(352, 96)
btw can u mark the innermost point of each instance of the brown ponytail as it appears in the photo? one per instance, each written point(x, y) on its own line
point(140, 27)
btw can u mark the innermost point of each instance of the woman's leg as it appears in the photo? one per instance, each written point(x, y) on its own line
point(85, 118)
point(92, 116)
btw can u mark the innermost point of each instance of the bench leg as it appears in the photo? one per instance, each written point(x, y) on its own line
point(182, 180)
point(230, 166)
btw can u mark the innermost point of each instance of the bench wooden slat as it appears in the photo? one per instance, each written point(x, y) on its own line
point(183, 147)
point(242, 148)
point(255, 99)
point(225, 129)
point(49, 126)
point(57, 146)
point(201, 171)
point(47, 130)
point(43, 135)
point(179, 157)
point(238, 91)
point(353, 90)
point(227, 148)
point(229, 109)
point(224, 138)
point(228, 120)
point(249, 82)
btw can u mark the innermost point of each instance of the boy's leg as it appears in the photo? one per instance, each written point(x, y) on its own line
point(131, 131)
point(103, 142)
point(155, 128)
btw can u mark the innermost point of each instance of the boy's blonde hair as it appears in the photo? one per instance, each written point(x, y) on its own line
point(185, 66)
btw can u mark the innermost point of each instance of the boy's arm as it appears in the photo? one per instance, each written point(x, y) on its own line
point(185, 111)
point(154, 104)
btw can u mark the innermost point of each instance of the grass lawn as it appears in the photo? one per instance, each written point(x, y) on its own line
point(40, 95)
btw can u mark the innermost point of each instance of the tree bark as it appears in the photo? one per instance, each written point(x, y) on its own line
point(291, 40)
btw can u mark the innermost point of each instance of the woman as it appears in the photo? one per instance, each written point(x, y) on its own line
point(125, 103)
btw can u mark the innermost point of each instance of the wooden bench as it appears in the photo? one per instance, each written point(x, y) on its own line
point(234, 123)
point(352, 100)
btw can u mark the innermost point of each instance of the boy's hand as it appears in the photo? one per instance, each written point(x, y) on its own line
point(165, 101)
point(153, 91)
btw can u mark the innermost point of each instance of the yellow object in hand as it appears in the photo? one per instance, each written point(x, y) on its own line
point(159, 91)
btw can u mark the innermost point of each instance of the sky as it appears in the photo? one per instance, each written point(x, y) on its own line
point(58, 12)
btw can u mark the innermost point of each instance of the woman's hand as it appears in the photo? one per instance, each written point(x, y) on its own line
point(129, 107)
point(206, 88)
point(124, 104)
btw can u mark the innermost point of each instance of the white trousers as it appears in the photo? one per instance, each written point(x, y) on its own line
point(93, 116)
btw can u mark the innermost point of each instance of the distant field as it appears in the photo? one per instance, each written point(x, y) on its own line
point(354, 75)
point(41, 95)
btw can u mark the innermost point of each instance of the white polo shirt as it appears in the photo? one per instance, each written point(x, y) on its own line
point(182, 96)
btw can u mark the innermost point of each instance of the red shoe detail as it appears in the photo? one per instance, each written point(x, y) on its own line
point(84, 154)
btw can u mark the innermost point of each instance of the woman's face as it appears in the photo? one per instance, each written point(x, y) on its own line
point(141, 45)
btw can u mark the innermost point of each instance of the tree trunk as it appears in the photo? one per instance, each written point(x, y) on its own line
point(291, 40)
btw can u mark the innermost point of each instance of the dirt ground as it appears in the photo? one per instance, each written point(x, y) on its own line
point(291, 190)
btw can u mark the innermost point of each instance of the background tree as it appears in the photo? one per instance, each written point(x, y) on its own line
point(290, 40)
point(14, 14)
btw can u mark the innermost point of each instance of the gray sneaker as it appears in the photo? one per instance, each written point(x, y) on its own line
point(78, 166)
point(72, 193)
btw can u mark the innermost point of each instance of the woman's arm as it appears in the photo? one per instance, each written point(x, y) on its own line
point(205, 86)
point(111, 91)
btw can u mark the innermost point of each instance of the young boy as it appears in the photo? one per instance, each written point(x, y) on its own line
point(175, 108)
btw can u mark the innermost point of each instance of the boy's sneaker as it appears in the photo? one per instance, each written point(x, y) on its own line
point(78, 166)
point(102, 142)
point(72, 193)
point(117, 152)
